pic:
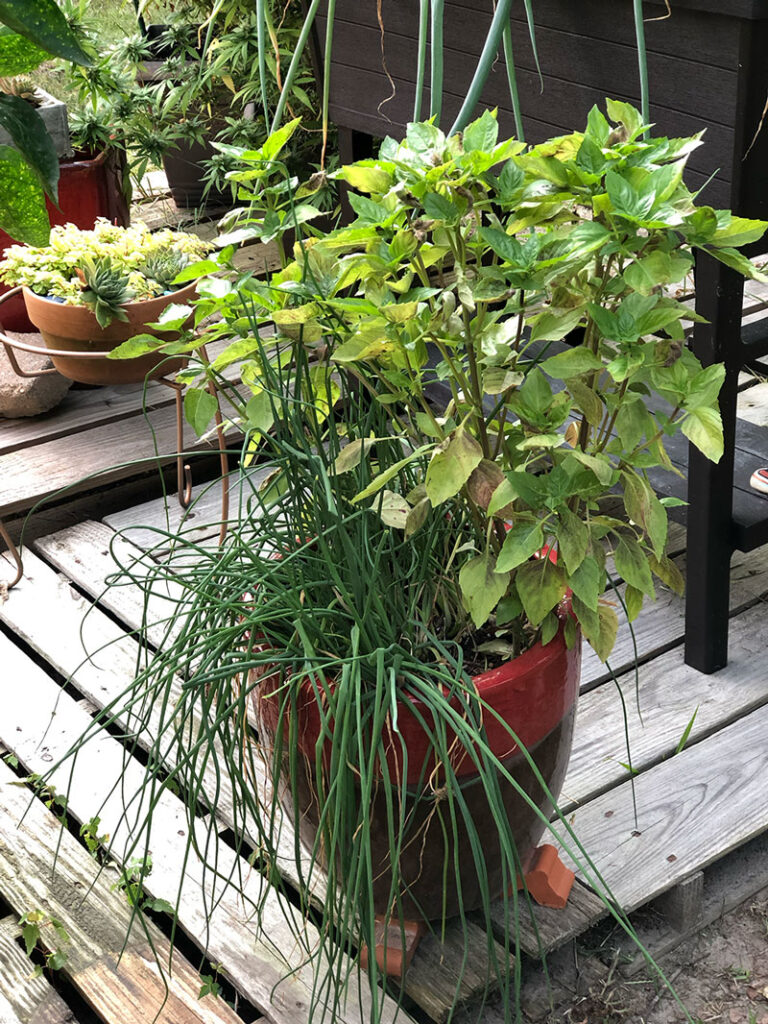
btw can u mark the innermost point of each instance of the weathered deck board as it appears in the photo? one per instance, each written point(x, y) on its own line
point(691, 810)
point(82, 552)
point(104, 454)
point(80, 410)
point(259, 955)
point(95, 918)
point(23, 998)
point(104, 680)
point(662, 623)
point(670, 692)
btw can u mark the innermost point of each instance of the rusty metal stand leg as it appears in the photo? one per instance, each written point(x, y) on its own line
point(14, 553)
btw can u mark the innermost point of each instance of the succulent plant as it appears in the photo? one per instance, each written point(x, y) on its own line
point(106, 289)
point(164, 266)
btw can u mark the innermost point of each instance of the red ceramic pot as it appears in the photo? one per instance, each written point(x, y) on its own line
point(536, 696)
point(75, 329)
point(89, 187)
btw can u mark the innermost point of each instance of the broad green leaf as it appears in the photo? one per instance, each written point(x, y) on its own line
point(195, 270)
point(351, 454)
point(278, 139)
point(497, 380)
point(599, 465)
point(451, 465)
point(633, 422)
point(573, 363)
point(30, 136)
point(601, 630)
point(296, 314)
point(367, 176)
point(739, 231)
point(368, 344)
point(588, 401)
point(482, 586)
point(522, 542)
point(705, 387)
point(541, 586)
point(23, 213)
point(552, 326)
point(633, 601)
point(572, 539)
point(588, 582)
point(199, 409)
point(439, 207)
point(503, 496)
point(504, 245)
point(590, 156)
point(138, 345)
point(18, 55)
point(43, 23)
point(738, 261)
point(704, 428)
point(632, 565)
point(393, 509)
point(399, 312)
point(597, 126)
point(482, 133)
point(668, 573)
point(240, 349)
point(417, 516)
point(259, 413)
point(645, 509)
point(658, 268)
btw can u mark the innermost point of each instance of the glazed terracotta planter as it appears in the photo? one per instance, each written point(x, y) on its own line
point(75, 329)
point(536, 696)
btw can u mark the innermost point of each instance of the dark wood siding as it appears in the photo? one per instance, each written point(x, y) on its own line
point(697, 63)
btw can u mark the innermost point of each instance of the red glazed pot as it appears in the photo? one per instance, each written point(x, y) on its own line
point(75, 329)
point(89, 187)
point(536, 696)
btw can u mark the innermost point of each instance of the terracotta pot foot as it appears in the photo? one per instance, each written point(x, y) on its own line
point(398, 944)
point(548, 880)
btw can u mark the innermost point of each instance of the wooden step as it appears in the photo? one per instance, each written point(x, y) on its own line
point(691, 810)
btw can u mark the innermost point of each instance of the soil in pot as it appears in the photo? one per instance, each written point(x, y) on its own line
point(75, 329)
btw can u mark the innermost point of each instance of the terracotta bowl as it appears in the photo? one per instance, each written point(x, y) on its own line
point(75, 329)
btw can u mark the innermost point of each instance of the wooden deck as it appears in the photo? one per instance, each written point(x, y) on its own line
point(692, 807)
point(681, 813)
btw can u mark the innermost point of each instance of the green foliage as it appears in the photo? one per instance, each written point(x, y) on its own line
point(101, 268)
point(38, 927)
point(531, 286)
point(30, 136)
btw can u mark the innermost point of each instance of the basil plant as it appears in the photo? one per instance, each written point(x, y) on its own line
point(517, 311)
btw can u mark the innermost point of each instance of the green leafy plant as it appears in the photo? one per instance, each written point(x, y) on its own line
point(38, 927)
point(102, 268)
point(30, 32)
point(438, 394)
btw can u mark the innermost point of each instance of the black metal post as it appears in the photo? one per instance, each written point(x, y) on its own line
point(719, 294)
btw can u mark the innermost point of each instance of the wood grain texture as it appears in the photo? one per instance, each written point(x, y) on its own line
point(124, 991)
point(41, 596)
point(260, 952)
point(151, 524)
point(669, 694)
point(80, 410)
point(30, 1000)
point(691, 810)
point(93, 457)
point(662, 623)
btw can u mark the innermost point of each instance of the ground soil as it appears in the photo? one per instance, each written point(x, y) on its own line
point(719, 974)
